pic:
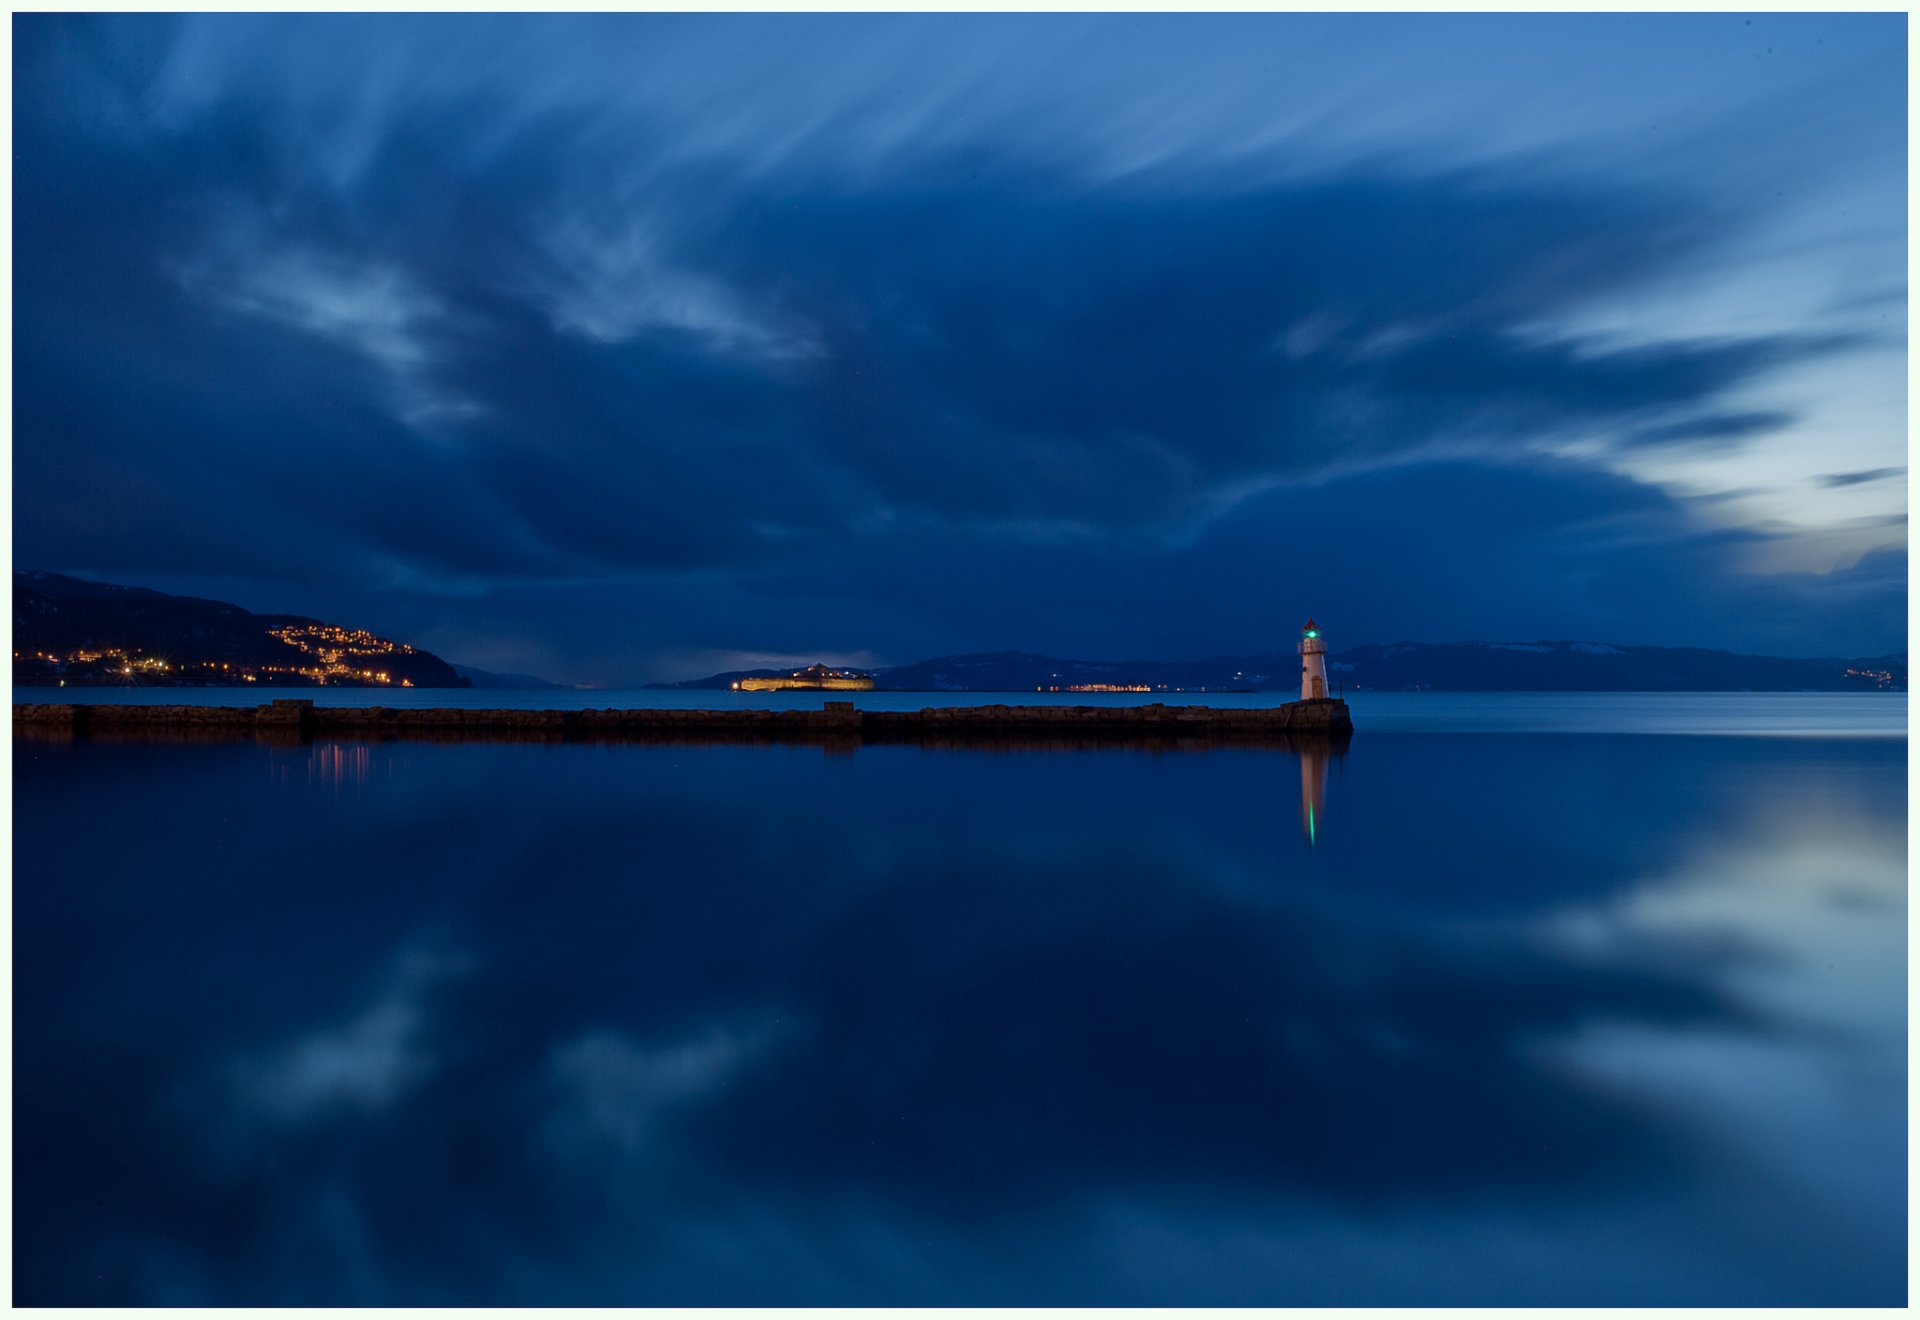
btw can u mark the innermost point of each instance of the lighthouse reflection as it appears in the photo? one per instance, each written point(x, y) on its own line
point(1313, 789)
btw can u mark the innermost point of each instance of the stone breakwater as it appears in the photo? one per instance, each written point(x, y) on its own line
point(837, 722)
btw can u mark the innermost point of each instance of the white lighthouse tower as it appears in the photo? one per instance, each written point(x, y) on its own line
point(1313, 663)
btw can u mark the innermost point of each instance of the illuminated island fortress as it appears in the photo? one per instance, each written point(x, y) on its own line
point(815, 678)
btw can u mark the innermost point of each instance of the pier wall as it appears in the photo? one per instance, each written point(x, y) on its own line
point(839, 721)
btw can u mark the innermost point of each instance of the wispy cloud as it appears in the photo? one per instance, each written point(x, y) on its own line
point(1838, 479)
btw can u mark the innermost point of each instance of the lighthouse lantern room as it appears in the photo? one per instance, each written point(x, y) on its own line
point(1313, 663)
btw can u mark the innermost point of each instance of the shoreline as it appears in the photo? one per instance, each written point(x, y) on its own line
point(300, 719)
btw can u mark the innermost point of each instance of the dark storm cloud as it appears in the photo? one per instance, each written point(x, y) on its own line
point(1455, 549)
point(1403, 553)
point(1006, 349)
point(407, 328)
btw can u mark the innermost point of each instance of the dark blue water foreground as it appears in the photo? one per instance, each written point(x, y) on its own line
point(1453, 1018)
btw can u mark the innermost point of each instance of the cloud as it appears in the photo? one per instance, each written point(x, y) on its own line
point(1839, 479)
point(466, 314)
point(368, 310)
point(1724, 430)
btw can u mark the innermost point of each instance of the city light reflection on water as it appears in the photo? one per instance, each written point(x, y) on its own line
point(340, 763)
point(1500, 1018)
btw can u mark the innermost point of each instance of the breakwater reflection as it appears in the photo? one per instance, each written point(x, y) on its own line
point(1539, 1019)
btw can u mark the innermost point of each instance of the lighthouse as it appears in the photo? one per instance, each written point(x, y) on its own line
point(1313, 663)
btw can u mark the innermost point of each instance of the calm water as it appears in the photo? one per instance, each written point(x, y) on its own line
point(1458, 1017)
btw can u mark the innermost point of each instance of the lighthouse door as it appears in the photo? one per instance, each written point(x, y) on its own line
point(1320, 687)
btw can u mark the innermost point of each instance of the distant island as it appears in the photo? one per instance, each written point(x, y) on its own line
point(90, 634)
point(1547, 666)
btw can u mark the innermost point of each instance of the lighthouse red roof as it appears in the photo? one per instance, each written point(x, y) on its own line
point(1309, 624)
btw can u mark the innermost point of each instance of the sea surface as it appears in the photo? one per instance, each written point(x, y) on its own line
point(1544, 999)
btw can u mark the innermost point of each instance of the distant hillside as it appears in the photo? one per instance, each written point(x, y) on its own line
point(1597, 667)
point(482, 678)
point(78, 632)
point(1558, 666)
point(1017, 671)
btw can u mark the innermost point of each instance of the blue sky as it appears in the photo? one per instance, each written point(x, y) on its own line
point(629, 347)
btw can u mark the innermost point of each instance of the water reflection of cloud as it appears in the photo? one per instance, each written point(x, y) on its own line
point(1811, 881)
point(615, 1089)
point(723, 1036)
point(1808, 880)
point(1303, 1048)
point(366, 1063)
